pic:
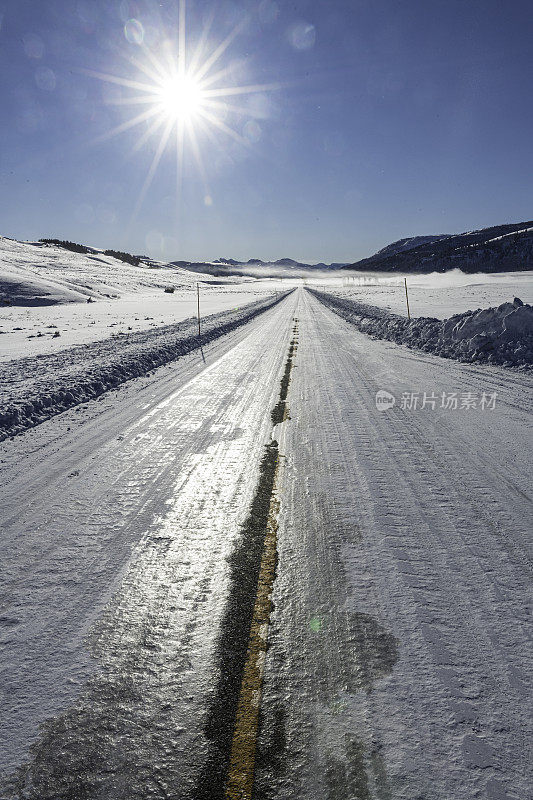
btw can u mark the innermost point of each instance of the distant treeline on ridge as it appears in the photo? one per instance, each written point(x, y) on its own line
point(81, 248)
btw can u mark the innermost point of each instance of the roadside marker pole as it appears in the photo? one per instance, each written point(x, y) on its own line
point(198, 297)
point(407, 299)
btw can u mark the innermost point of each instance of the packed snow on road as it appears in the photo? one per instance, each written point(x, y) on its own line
point(145, 466)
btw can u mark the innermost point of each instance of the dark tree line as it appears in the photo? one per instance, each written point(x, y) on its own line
point(76, 248)
point(127, 257)
point(81, 248)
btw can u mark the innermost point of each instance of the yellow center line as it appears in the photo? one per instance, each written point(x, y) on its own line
point(240, 780)
point(242, 760)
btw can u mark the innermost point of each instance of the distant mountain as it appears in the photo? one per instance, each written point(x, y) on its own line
point(254, 267)
point(219, 269)
point(290, 263)
point(408, 244)
point(502, 248)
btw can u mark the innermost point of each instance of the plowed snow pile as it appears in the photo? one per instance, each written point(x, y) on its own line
point(36, 388)
point(502, 335)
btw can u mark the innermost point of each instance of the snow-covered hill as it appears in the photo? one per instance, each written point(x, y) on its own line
point(34, 274)
point(52, 298)
point(407, 244)
point(502, 248)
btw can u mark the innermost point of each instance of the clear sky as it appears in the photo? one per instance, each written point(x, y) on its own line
point(373, 120)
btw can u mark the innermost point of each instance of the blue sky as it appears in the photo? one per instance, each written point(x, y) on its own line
point(388, 119)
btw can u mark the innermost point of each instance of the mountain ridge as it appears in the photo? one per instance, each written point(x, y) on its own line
point(499, 248)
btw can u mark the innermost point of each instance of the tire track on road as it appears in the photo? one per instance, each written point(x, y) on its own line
point(135, 727)
point(399, 518)
point(233, 719)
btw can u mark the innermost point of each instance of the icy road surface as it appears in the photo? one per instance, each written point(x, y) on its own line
point(399, 665)
point(134, 518)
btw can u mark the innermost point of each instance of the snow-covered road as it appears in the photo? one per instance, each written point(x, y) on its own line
point(398, 664)
point(131, 513)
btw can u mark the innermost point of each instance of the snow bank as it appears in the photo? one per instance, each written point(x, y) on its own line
point(502, 335)
point(36, 388)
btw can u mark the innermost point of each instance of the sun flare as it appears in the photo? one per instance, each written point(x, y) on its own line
point(186, 95)
point(181, 97)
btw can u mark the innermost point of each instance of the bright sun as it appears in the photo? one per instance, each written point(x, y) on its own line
point(182, 94)
point(181, 97)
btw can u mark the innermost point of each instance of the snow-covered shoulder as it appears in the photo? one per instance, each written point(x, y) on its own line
point(36, 388)
point(501, 335)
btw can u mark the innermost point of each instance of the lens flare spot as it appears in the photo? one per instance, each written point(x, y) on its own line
point(134, 31)
point(154, 240)
point(316, 624)
point(33, 46)
point(252, 131)
point(302, 36)
point(45, 79)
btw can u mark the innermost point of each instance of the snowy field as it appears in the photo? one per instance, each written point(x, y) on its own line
point(36, 388)
point(50, 286)
point(436, 295)
point(30, 331)
point(399, 663)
